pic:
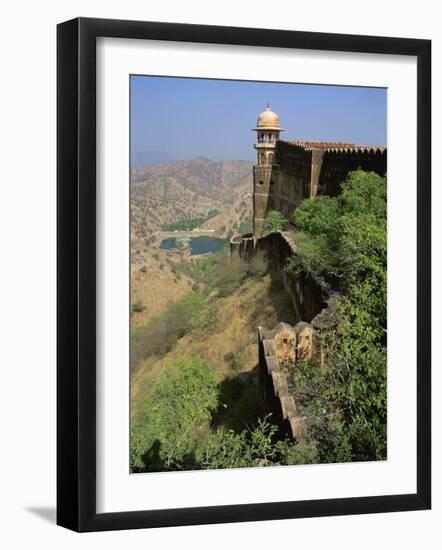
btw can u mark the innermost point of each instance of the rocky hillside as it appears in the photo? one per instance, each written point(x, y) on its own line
point(170, 192)
point(229, 344)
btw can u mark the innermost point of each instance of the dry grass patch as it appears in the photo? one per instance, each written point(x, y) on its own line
point(230, 344)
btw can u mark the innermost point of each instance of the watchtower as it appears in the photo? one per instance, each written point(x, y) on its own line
point(268, 129)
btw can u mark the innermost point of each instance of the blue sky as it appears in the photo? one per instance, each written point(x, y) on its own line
point(185, 118)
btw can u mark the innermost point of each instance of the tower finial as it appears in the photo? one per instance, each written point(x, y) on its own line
point(268, 104)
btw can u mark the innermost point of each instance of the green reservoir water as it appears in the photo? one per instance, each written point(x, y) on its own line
point(198, 245)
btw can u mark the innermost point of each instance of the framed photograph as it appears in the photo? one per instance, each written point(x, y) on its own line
point(243, 274)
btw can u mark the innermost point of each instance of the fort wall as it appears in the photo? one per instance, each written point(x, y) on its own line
point(337, 163)
point(287, 173)
point(306, 294)
point(306, 169)
point(275, 396)
point(262, 181)
point(313, 306)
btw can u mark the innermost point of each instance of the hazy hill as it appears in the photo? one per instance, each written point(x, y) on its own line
point(174, 191)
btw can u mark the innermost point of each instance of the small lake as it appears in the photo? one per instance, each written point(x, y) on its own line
point(197, 245)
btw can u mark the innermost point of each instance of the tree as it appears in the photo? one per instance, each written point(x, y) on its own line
point(274, 221)
point(172, 432)
point(165, 433)
point(343, 240)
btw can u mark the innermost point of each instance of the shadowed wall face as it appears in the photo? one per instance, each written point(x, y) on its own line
point(307, 296)
point(293, 176)
point(337, 164)
point(262, 178)
point(282, 185)
point(304, 170)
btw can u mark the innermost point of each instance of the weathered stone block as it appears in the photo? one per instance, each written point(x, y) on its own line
point(288, 406)
point(285, 343)
point(280, 383)
point(298, 426)
point(269, 348)
point(304, 349)
point(272, 364)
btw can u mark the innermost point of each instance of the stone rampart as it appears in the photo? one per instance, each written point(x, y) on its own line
point(281, 349)
point(306, 169)
point(275, 397)
point(285, 345)
point(307, 295)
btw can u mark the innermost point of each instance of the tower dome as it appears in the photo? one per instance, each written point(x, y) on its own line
point(268, 120)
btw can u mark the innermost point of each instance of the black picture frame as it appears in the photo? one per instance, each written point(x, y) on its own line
point(76, 274)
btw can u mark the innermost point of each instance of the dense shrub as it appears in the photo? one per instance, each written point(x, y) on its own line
point(256, 446)
point(219, 272)
point(245, 227)
point(345, 237)
point(137, 307)
point(274, 221)
point(192, 311)
point(171, 430)
point(165, 433)
point(344, 241)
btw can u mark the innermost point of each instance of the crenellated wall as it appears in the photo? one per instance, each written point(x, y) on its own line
point(300, 170)
point(276, 399)
point(281, 349)
point(313, 305)
point(305, 169)
point(337, 163)
point(282, 185)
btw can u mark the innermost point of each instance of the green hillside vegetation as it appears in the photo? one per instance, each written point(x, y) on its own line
point(190, 223)
point(183, 195)
point(195, 400)
point(172, 430)
point(195, 393)
point(343, 240)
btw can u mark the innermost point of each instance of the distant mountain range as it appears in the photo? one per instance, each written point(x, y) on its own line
point(143, 158)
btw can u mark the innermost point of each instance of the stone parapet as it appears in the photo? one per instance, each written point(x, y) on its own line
point(275, 397)
point(314, 308)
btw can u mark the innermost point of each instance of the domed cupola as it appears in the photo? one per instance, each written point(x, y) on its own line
point(268, 120)
point(268, 129)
